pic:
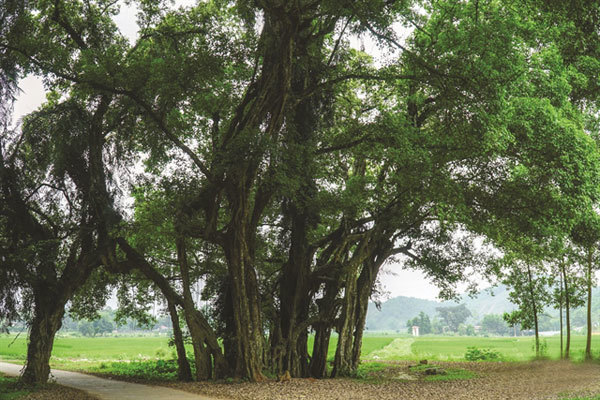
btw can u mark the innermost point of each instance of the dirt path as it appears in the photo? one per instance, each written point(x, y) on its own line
point(514, 381)
point(106, 389)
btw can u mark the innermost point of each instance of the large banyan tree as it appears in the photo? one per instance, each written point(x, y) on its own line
point(283, 163)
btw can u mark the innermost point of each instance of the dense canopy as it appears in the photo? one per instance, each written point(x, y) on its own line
point(258, 146)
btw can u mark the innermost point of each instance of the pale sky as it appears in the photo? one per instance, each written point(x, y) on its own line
point(395, 280)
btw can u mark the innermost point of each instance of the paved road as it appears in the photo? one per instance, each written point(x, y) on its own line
point(106, 389)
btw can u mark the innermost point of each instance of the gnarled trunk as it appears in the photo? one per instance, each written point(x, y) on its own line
point(294, 303)
point(328, 308)
point(318, 361)
point(246, 305)
point(342, 363)
point(369, 254)
point(47, 320)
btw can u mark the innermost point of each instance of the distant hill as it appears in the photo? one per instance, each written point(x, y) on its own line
point(489, 301)
point(396, 311)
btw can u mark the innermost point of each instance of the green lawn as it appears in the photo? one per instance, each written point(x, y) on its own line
point(94, 351)
point(68, 349)
point(453, 348)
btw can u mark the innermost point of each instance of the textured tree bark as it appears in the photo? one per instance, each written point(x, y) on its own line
point(294, 302)
point(184, 372)
point(342, 363)
point(327, 307)
point(47, 321)
point(298, 208)
point(366, 280)
point(361, 273)
point(318, 362)
point(245, 304)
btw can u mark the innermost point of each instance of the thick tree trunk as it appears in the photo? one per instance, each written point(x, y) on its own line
point(342, 363)
point(588, 343)
point(318, 361)
point(246, 305)
point(294, 302)
point(327, 307)
point(366, 281)
point(370, 253)
point(47, 320)
point(230, 345)
point(184, 372)
point(359, 327)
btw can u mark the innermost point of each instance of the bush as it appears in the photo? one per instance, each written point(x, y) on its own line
point(161, 353)
point(165, 370)
point(476, 354)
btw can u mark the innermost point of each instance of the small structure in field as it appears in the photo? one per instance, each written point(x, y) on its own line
point(415, 330)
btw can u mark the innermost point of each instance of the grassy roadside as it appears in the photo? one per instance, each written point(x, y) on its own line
point(11, 389)
point(151, 359)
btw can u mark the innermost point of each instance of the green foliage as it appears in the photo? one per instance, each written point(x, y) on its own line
point(267, 146)
point(99, 326)
point(422, 321)
point(494, 324)
point(163, 370)
point(543, 351)
point(475, 354)
point(454, 316)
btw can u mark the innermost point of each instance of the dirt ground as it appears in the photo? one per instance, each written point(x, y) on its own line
point(58, 392)
point(526, 381)
point(522, 381)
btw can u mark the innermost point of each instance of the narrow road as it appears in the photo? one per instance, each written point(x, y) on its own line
point(106, 389)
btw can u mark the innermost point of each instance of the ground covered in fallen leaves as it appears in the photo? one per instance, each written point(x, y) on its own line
point(487, 380)
point(58, 392)
point(11, 388)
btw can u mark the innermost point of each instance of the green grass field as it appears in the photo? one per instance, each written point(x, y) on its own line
point(94, 351)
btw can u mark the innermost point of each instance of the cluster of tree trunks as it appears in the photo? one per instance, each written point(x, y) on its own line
point(273, 134)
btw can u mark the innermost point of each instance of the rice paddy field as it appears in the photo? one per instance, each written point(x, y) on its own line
point(85, 350)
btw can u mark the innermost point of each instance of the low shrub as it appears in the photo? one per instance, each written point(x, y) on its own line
point(476, 354)
point(146, 370)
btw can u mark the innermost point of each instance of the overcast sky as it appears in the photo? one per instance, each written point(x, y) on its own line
point(397, 282)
